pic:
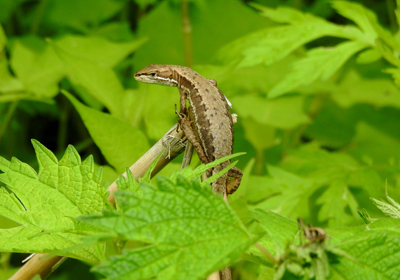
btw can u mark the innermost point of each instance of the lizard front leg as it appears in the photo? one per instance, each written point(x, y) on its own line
point(182, 104)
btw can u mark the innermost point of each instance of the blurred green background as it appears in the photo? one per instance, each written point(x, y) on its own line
point(318, 111)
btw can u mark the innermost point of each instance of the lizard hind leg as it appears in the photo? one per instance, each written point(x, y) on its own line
point(184, 123)
point(233, 185)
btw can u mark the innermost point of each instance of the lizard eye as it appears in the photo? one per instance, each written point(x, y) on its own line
point(153, 74)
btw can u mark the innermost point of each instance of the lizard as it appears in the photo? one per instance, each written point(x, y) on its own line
point(207, 123)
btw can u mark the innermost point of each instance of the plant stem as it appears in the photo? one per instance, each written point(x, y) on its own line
point(38, 16)
point(187, 33)
point(7, 120)
point(63, 125)
point(266, 252)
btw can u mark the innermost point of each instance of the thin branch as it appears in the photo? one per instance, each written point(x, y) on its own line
point(40, 264)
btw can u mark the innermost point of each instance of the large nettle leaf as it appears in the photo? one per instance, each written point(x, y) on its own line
point(189, 230)
point(46, 203)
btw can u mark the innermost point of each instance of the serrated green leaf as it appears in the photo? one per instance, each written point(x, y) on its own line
point(120, 143)
point(391, 209)
point(320, 64)
point(147, 176)
point(365, 216)
point(281, 14)
point(359, 14)
point(395, 72)
point(334, 202)
point(193, 232)
point(317, 169)
point(375, 249)
point(129, 183)
point(289, 193)
point(272, 44)
point(46, 203)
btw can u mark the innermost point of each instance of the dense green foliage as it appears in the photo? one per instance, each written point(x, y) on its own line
point(316, 90)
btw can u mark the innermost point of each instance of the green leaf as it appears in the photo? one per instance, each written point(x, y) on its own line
point(129, 183)
point(376, 250)
point(39, 70)
point(310, 161)
point(368, 56)
point(365, 216)
point(395, 72)
point(80, 15)
point(281, 14)
point(145, 3)
point(285, 113)
point(46, 203)
point(285, 193)
point(280, 230)
point(319, 169)
point(374, 146)
point(334, 203)
point(261, 136)
point(273, 44)
point(391, 209)
point(94, 79)
point(190, 231)
point(120, 143)
point(201, 169)
point(360, 15)
point(3, 38)
point(354, 90)
point(320, 64)
point(10, 87)
point(158, 116)
point(107, 53)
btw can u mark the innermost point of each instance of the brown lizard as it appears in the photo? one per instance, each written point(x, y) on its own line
point(208, 124)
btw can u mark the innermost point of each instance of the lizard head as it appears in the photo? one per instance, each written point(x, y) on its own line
point(156, 74)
